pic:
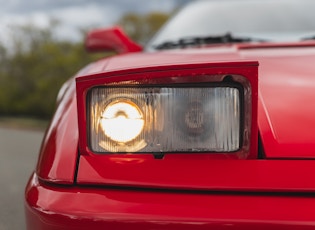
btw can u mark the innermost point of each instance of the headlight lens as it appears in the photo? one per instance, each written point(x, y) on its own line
point(165, 119)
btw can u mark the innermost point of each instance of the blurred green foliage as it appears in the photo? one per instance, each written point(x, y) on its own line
point(37, 64)
point(142, 27)
point(34, 69)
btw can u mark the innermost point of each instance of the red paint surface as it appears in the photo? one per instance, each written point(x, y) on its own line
point(112, 39)
point(73, 207)
point(286, 83)
point(199, 173)
point(286, 100)
point(286, 123)
point(58, 154)
point(285, 114)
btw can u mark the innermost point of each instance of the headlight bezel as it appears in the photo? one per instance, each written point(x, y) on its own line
point(244, 73)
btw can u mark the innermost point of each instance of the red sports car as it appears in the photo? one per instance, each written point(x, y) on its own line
point(211, 125)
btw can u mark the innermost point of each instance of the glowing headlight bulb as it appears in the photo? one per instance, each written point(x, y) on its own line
point(122, 121)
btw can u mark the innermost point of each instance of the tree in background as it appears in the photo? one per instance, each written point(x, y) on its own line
point(38, 63)
point(142, 27)
point(34, 70)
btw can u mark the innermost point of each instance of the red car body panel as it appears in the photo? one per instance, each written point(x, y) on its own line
point(70, 190)
point(286, 92)
point(53, 207)
point(59, 150)
point(198, 175)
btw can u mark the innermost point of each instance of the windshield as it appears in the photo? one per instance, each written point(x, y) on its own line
point(270, 20)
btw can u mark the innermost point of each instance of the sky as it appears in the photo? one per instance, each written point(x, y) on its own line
point(74, 14)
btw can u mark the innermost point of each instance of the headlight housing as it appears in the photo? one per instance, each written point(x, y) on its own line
point(205, 108)
point(164, 119)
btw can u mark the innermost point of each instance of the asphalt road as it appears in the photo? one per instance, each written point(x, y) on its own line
point(18, 151)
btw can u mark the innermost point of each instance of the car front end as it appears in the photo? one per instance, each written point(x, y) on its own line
point(196, 133)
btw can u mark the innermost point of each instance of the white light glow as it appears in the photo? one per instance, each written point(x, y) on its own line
point(122, 121)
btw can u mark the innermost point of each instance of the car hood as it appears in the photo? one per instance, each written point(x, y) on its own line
point(286, 88)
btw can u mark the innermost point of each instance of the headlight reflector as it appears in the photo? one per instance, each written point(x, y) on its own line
point(165, 119)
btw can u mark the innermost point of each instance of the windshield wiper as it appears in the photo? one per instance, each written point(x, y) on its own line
point(193, 41)
point(308, 38)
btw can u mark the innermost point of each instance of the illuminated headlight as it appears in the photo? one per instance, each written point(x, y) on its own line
point(165, 119)
point(122, 121)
